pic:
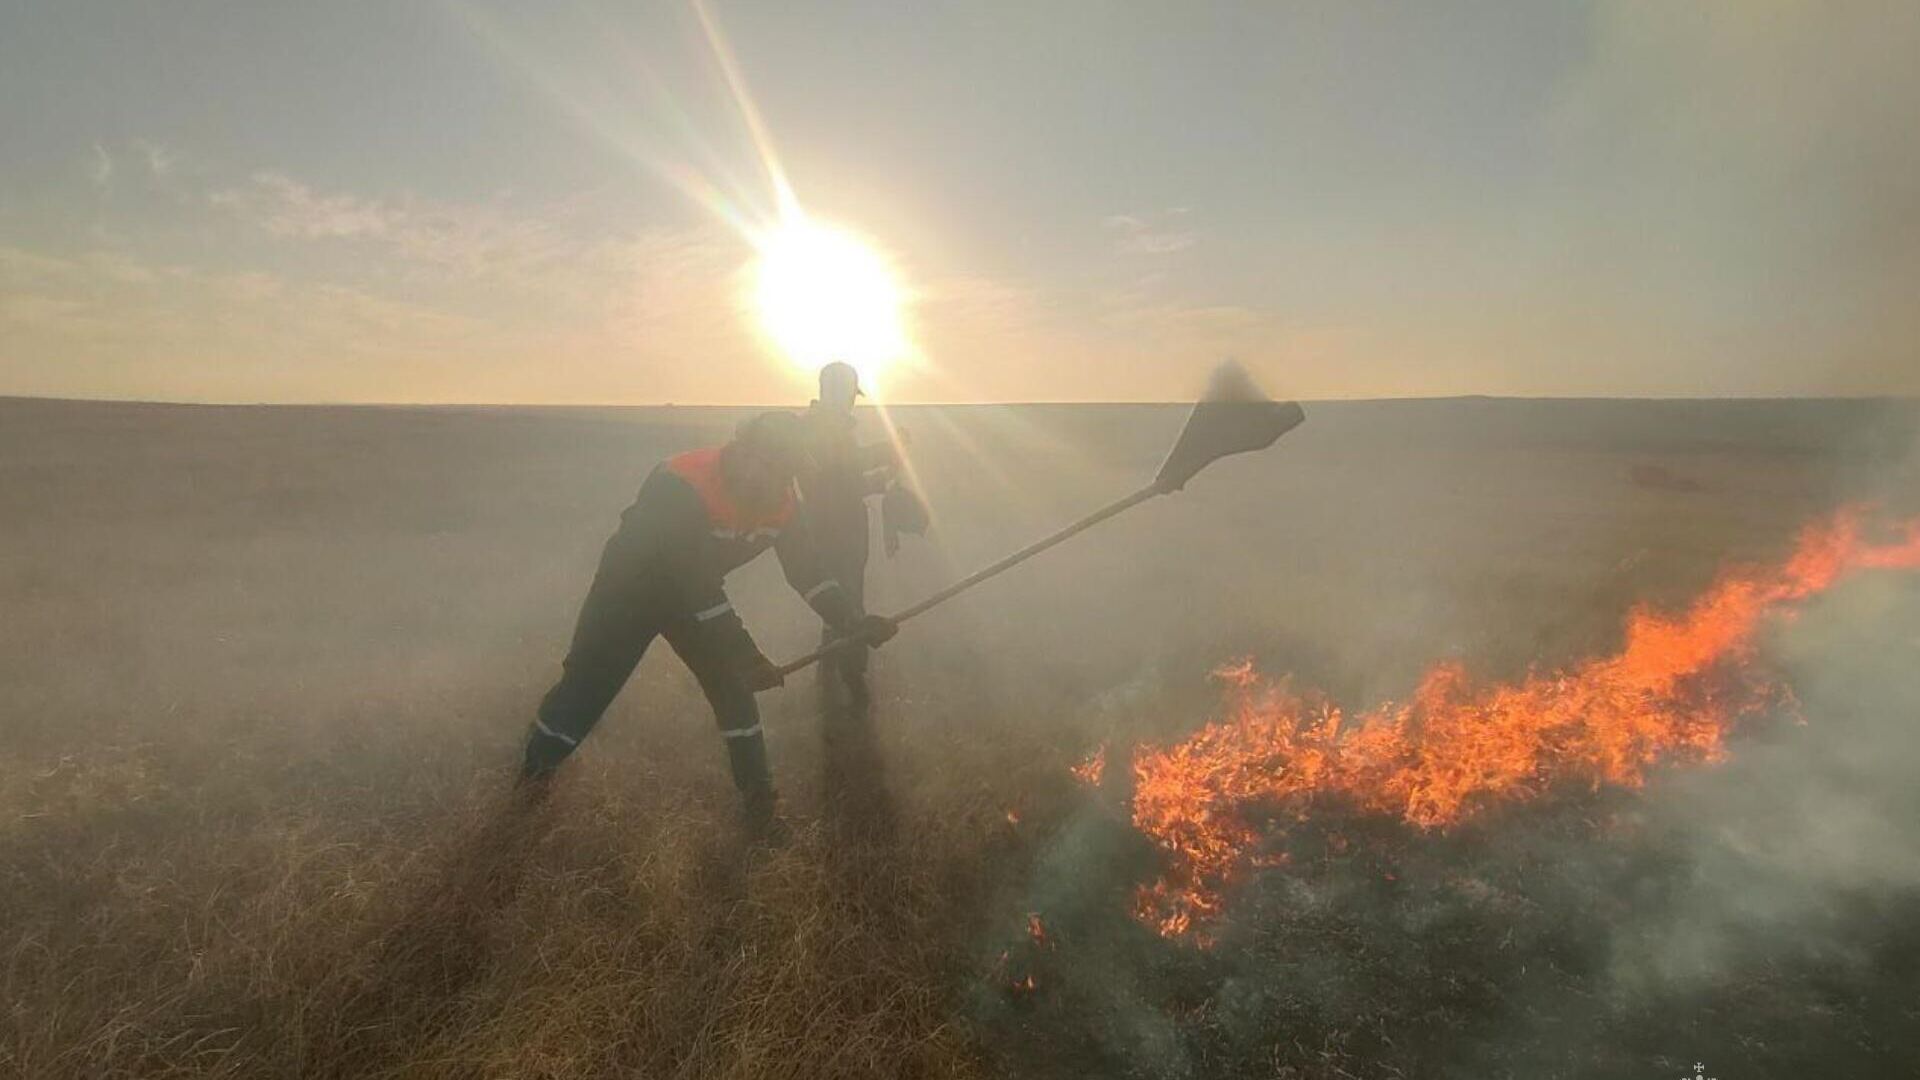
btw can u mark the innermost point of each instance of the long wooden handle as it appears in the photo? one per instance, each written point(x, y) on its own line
point(981, 575)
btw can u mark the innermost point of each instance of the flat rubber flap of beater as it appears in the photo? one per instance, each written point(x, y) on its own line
point(1234, 417)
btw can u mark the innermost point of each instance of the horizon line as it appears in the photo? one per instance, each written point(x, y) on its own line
point(1019, 403)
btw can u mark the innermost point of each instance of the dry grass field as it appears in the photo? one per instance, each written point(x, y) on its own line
point(264, 673)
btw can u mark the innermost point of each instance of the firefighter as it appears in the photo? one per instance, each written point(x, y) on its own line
point(835, 505)
point(698, 516)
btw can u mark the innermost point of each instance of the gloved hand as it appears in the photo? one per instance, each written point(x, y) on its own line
point(902, 511)
point(874, 630)
point(761, 673)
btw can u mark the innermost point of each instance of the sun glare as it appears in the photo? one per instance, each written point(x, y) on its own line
point(821, 294)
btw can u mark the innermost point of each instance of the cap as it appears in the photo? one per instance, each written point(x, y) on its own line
point(842, 375)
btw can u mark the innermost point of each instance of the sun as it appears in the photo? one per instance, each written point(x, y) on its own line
point(822, 294)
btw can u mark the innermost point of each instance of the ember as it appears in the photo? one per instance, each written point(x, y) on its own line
point(1673, 691)
point(1090, 771)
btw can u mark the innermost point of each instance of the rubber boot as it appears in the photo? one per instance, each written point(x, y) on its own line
point(760, 816)
point(545, 750)
point(747, 757)
point(532, 787)
point(541, 759)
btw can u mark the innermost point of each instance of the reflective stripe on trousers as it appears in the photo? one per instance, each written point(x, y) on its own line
point(608, 642)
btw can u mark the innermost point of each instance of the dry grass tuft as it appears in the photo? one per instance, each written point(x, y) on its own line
point(605, 931)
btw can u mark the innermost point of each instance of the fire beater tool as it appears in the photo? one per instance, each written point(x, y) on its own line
point(1234, 417)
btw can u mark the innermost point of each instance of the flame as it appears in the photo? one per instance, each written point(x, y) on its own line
point(1037, 931)
point(1090, 771)
point(1673, 691)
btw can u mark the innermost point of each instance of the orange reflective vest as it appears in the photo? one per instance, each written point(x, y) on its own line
point(726, 517)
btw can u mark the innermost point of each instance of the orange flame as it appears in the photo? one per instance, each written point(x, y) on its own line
point(1672, 691)
point(1090, 771)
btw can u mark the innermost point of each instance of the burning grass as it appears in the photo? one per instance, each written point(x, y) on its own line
point(1672, 692)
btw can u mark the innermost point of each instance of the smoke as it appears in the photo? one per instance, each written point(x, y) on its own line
point(1586, 931)
point(1805, 831)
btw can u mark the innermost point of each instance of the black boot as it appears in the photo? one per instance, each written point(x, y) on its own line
point(747, 758)
point(760, 815)
point(541, 759)
point(533, 786)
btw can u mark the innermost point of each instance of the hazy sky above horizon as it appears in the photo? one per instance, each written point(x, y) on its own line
point(494, 202)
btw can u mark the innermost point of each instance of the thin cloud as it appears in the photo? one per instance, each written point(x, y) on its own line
point(100, 167)
point(160, 160)
point(29, 311)
point(1135, 235)
point(100, 305)
point(488, 240)
point(285, 207)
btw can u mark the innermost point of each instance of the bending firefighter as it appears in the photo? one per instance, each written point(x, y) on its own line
point(698, 516)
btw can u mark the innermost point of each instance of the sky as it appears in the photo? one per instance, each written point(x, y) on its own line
point(470, 201)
